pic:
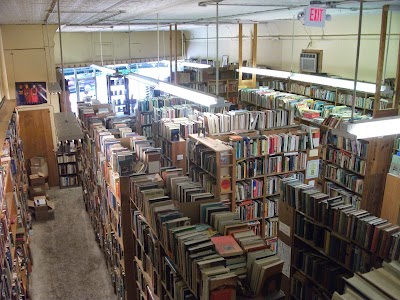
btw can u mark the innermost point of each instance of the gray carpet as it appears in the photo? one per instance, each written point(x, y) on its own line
point(67, 262)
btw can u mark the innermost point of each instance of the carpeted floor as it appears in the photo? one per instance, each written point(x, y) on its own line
point(67, 262)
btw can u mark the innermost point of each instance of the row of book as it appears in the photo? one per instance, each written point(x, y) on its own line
point(67, 169)
point(249, 209)
point(346, 160)
point(69, 181)
point(354, 182)
point(146, 119)
point(223, 87)
point(62, 159)
point(247, 120)
point(270, 99)
point(68, 147)
point(313, 91)
point(380, 283)
point(334, 190)
point(249, 189)
point(207, 181)
point(357, 226)
point(175, 111)
point(260, 145)
point(360, 101)
point(148, 104)
point(321, 270)
point(354, 258)
point(356, 147)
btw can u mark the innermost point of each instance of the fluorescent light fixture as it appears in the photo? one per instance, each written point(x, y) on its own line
point(143, 79)
point(335, 82)
point(189, 94)
point(193, 65)
point(267, 72)
point(370, 128)
point(201, 98)
point(103, 69)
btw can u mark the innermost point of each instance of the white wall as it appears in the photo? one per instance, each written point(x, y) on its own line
point(83, 48)
point(27, 56)
point(338, 40)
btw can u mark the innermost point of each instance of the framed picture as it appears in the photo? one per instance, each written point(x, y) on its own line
point(30, 93)
point(225, 60)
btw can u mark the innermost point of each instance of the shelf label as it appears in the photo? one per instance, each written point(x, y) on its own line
point(314, 16)
point(284, 228)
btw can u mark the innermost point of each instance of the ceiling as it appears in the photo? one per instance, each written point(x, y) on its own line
point(124, 15)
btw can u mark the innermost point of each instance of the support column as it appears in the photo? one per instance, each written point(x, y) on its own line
point(170, 53)
point(176, 54)
point(3, 70)
point(240, 55)
point(254, 54)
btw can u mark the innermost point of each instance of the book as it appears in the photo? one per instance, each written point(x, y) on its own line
point(226, 246)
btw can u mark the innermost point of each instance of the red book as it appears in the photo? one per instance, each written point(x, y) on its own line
point(226, 246)
point(225, 294)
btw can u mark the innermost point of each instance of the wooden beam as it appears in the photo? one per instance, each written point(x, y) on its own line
point(176, 54)
point(381, 58)
point(170, 53)
point(240, 55)
point(254, 55)
point(396, 98)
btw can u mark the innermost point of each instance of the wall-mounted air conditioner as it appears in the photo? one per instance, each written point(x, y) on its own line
point(309, 62)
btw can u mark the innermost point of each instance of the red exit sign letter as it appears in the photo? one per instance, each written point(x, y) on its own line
point(314, 16)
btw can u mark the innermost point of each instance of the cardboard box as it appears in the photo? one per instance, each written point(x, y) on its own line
point(39, 165)
point(35, 191)
point(36, 180)
point(41, 213)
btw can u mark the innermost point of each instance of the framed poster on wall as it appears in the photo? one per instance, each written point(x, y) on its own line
point(30, 93)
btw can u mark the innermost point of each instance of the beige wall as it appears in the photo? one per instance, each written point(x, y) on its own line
point(27, 56)
point(338, 40)
point(83, 48)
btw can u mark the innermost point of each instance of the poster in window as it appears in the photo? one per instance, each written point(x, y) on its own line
point(30, 93)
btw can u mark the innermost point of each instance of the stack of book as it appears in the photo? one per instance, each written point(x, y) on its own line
point(381, 283)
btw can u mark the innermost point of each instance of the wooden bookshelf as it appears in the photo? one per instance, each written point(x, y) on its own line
point(205, 80)
point(364, 101)
point(375, 160)
point(15, 222)
point(221, 173)
point(108, 206)
point(68, 166)
point(330, 233)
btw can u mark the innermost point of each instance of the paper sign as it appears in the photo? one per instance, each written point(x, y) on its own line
point(284, 254)
point(312, 169)
point(179, 157)
point(284, 228)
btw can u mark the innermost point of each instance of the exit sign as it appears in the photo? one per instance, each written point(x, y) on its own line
point(314, 16)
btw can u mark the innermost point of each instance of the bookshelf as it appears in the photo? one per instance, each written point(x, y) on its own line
point(364, 101)
point(68, 164)
point(118, 92)
point(262, 160)
point(212, 163)
point(205, 80)
point(358, 169)
point(15, 221)
point(331, 240)
point(106, 197)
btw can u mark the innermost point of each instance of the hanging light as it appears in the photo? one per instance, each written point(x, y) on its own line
point(193, 65)
point(144, 79)
point(103, 69)
point(266, 72)
point(372, 128)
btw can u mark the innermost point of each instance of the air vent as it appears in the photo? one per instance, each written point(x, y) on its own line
point(309, 62)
